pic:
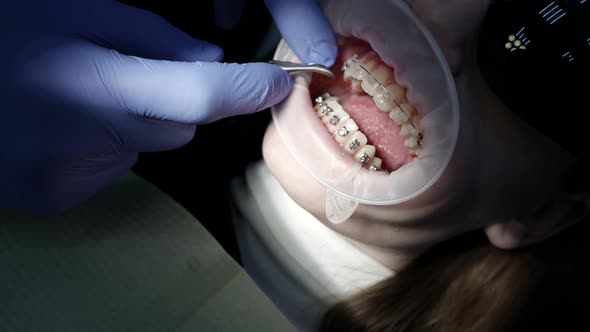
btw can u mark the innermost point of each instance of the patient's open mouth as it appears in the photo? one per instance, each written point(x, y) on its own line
point(385, 128)
point(366, 110)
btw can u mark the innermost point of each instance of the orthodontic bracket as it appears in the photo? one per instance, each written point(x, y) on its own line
point(334, 120)
point(364, 158)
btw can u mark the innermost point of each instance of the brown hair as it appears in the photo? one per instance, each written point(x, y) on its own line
point(467, 285)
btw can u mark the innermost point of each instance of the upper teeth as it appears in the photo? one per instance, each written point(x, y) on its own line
point(401, 114)
point(387, 95)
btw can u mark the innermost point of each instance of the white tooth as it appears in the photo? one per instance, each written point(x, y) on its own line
point(347, 75)
point(370, 85)
point(346, 67)
point(405, 131)
point(397, 92)
point(353, 71)
point(336, 121)
point(367, 60)
point(372, 64)
point(382, 74)
point(376, 162)
point(357, 141)
point(384, 101)
point(402, 113)
point(365, 154)
point(410, 128)
point(398, 116)
point(342, 134)
point(411, 142)
point(334, 104)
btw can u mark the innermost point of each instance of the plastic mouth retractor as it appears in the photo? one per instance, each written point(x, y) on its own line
point(404, 43)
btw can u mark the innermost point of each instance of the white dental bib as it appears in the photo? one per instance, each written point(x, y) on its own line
point(300, 264)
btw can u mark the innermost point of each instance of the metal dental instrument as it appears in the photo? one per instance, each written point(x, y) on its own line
point(292, 67)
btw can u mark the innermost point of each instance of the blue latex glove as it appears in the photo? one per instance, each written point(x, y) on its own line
point(301, 23)
point(89, 84)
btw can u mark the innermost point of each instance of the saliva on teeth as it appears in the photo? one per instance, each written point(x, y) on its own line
point(388, 97)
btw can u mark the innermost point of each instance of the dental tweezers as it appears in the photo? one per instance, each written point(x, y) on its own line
point(292, 67)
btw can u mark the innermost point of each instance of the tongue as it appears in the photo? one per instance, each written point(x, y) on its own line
point(380, 130)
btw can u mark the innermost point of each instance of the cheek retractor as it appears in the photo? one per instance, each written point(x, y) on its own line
point(386, 136)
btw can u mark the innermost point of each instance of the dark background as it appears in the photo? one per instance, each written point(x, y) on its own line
point(537, 84)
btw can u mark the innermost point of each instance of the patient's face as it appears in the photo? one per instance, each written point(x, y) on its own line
point(375, 119)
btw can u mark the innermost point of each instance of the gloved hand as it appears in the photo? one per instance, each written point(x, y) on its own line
point(301, 23)
point(89, 84)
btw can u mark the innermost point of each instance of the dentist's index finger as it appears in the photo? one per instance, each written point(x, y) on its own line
point(194, 93)
point(306, 29)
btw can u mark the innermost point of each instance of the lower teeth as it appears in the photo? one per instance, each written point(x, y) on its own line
point(362, 152)
point(341, 130)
